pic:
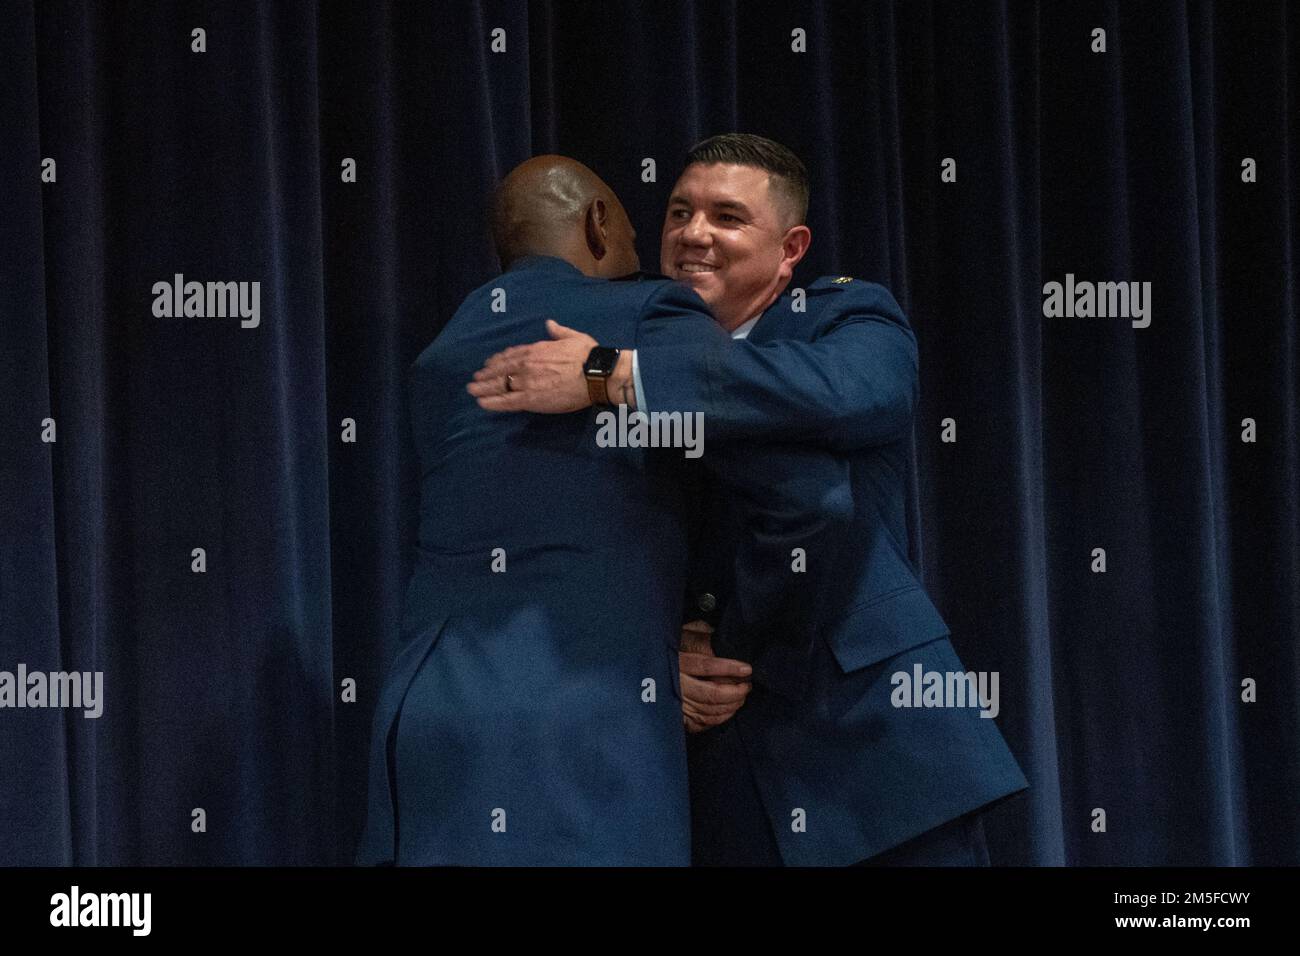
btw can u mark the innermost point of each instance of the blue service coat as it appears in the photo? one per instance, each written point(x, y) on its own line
point(842, 773)
point(532, 715)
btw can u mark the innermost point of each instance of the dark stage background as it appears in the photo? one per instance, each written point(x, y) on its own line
point(1118, 690)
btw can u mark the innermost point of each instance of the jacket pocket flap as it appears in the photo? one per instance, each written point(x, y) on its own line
point(883, 627)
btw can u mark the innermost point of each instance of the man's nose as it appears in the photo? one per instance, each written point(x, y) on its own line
point(696, 231)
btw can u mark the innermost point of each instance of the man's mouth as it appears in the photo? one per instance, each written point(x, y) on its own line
point(696, 268)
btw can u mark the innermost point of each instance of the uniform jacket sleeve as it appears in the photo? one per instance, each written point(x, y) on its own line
point(852, 386)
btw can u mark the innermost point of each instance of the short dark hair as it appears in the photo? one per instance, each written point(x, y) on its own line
point(789, 176)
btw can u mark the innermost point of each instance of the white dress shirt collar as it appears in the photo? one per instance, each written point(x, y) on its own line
point(742, 331)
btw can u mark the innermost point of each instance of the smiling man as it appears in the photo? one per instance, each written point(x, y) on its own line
point(818, 767)
point(738, 256)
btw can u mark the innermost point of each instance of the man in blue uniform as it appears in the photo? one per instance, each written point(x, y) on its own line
point(822, 765)
point(532, 714)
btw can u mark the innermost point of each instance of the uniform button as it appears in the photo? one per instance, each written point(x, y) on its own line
point(707, 602)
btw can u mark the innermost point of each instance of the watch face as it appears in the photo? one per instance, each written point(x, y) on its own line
point(601, 362)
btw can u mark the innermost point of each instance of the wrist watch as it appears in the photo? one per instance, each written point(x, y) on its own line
point(597, 370)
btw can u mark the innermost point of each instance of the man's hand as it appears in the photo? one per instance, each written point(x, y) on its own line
point(547, 376)
point(713, 688)
point(697, 638)
point(543, 376)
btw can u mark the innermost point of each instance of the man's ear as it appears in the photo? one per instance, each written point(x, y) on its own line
point(794, 246)
point(594, 221)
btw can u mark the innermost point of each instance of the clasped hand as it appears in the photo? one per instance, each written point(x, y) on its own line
point(713, 688)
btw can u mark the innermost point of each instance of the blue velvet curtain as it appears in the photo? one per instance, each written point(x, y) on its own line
point(226, 690)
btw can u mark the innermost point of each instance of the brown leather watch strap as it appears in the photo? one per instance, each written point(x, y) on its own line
point(597, 391)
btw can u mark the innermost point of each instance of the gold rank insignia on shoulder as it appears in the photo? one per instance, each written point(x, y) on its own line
point(842, 279)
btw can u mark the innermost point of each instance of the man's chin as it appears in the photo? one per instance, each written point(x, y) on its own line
point(704, 283)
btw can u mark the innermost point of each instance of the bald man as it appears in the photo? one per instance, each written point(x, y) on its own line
point(533, 714)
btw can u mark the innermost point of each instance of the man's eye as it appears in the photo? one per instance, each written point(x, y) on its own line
point(728, 217)
point(679, 213)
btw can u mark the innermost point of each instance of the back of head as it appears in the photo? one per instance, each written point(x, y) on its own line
point(555, 206)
